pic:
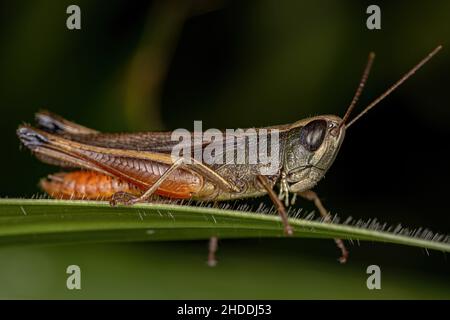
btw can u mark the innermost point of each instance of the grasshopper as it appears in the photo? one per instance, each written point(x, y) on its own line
point(129, 168)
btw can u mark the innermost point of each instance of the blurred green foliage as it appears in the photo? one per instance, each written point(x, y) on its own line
point(237, 64)
point(253, 269)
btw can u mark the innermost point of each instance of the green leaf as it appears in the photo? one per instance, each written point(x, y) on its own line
point(54, 221)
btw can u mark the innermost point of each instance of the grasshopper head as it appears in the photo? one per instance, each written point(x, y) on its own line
point(311, 147)
point(312, 144)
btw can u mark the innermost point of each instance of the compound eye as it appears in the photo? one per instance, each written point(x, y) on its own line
point(312, 134)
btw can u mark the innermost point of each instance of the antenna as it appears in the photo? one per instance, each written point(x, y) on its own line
point(360, 88)
point(393, 87)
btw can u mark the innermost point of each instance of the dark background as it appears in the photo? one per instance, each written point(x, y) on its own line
point(138, 65)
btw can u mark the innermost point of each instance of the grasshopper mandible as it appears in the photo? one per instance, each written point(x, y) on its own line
point(128, 168)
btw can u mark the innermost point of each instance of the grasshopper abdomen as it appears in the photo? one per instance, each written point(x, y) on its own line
point(87, 185)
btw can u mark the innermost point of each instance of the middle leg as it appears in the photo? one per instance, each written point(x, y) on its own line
point(312, 196)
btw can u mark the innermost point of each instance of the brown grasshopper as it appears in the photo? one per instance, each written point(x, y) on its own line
point(128, 168)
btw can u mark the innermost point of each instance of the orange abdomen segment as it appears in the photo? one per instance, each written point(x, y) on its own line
point(91, 185)
point(87, 185)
